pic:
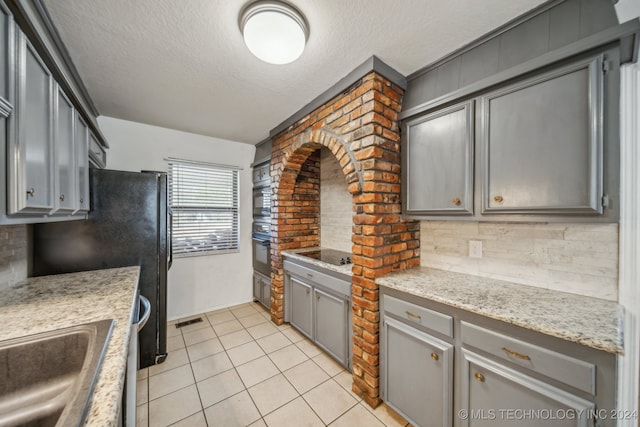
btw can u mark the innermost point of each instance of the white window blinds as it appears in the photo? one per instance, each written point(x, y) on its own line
point(204, 200)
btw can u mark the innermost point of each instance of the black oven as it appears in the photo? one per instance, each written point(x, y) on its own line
point(262, 201)
point(261, 243)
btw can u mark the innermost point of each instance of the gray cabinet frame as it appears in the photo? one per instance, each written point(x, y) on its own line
point(594, 145)
point(602, 398)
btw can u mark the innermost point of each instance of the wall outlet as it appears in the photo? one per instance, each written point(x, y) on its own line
point(475, 248)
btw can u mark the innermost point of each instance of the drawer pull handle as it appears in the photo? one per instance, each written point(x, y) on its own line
point(515, 354)
point(415, 316)
point(479, 377)
point(435, 356)
point(31, 192)
point(456, 200)
point(498, 199)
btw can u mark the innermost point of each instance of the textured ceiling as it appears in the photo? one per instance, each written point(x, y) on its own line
point(183, 64)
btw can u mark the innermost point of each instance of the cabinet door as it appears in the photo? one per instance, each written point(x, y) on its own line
point(417, 374)
point(331, 325)
point(257, 287)
point(266, 292)
point(65, 196)
point(81, 135)
point(31, 156)
point(495, 395)
point(301, 306)
point(438, 162)
point(543, 143)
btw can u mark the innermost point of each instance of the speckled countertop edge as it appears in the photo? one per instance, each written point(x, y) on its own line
point(584, 320)
point(48, 303)
point(297, 255)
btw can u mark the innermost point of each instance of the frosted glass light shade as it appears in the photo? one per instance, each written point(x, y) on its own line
point(274, 31)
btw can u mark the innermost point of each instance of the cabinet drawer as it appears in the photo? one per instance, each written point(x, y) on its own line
point(433, 320)
point(571, 371)
point(341, 286)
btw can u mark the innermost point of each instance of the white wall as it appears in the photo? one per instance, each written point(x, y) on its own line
point(576, 258)
point(336, 212)
point(203, 283)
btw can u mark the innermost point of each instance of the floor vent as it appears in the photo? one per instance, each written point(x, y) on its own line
point(188, 322)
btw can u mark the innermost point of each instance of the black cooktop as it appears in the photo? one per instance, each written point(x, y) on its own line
point(330, 256)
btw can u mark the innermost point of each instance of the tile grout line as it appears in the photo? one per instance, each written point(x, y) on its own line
point(244, 328)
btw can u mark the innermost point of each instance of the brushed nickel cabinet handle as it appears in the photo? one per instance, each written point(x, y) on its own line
point(62, 197)
point(516, 354)
point(435, 356)
point(81, 200)
point(498, 199)
point(31, 192)
point(411, 314)
point(479, 377)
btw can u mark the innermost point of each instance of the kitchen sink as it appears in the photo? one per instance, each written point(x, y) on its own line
point(48, 378)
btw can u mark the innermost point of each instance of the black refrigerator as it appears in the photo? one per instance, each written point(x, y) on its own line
point(129, 223)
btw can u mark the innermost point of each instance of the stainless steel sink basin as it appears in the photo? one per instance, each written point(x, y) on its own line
point(48, 378)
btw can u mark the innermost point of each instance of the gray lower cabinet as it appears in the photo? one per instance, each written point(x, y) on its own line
point(330, 324)
point(497, 395)
point(417, 374)
point(318, 304)
point(301, 306)
point(503, 376)
point(262, 289)
point(438, 154)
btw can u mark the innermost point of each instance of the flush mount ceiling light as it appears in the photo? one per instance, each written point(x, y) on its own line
point(274, 31)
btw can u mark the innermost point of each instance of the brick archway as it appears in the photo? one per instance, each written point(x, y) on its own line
point(360, 128)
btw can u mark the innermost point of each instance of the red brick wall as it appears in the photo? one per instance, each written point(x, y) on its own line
point(360, 128)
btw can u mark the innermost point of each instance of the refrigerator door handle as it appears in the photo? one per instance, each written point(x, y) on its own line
point(145, 314)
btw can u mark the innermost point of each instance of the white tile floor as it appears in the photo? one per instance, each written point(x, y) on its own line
point(236, 368)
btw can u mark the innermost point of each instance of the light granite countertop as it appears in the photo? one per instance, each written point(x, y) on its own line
point(588, 321)
point(298, 254)
point(47, 303)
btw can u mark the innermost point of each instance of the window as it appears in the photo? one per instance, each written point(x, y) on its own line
point(204, 199)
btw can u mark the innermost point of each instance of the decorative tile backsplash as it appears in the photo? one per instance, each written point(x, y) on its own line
point(336, 212)
point(13, 254)
point(576, 258)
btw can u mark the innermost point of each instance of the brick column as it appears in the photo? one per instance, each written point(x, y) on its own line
point(360, 128)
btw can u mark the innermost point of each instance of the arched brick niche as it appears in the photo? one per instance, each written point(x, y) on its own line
point(360, 128)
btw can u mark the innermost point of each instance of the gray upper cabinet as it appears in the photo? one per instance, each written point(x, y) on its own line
point(65, 196)
point(81, 136)
point(438, 159)
point(31, 155)
point(543, 143)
